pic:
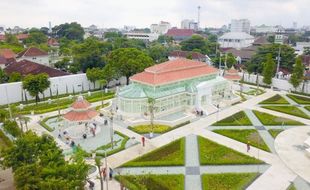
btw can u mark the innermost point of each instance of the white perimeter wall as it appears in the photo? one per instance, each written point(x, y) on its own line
point(282, 84)
point(12, 92)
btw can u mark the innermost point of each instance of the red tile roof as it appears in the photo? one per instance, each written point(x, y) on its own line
point(81, 116)
point(172, 71)
point(31, 52)
point(185, 54)
point(26, 67)
point(3, 61)
point(81, 104)
point(52, 42)
point(232, 74)
point(7, 53)
point(22, 36)
point(180, 32)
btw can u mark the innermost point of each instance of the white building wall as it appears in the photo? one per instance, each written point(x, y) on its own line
point(43, 60)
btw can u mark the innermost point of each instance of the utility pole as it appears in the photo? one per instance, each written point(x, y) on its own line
point(278, 59)
point(198, 19)
point(106, 167)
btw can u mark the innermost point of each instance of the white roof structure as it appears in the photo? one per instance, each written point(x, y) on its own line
point(236, 35)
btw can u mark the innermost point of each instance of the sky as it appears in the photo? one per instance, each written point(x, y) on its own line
point(142, 13)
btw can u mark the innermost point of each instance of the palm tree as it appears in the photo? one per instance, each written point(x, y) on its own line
point(26, 120)
point(98, 164)
point(23, 120)
point(151, 107)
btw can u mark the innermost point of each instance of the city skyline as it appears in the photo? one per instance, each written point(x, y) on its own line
point(141, 14)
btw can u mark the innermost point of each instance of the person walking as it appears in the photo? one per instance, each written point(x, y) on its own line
point(143, 141)
point(110, 173)
point(104, 173)
point(248, 147)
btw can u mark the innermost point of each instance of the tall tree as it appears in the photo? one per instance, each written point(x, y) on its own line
point(36, 84)
point(298, 73)
point(72, 31)
point(36, 37)
point(158, 53)
point(38, 163)
point(15, 77)
point(269, 69)
point(307, 51)
point(195, 42)
point(128, 61)
point(3, 76)
point(94, 74)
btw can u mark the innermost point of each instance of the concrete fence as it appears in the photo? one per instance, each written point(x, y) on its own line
point(282, 84)
point(13, 92)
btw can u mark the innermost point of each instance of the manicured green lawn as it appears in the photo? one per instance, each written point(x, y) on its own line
point(276, 99)
point(268, 119)
point(152, 182)
point(143, 129)
point(254, 92)
point(63, 103)
point(291, 187)
point(171, 154)
point(292, 110)
point(238, 119)
point(274, 132)
point(228, 181)
point(308, 108)
point(299, 99)
point(248, 135)
point(211, 153)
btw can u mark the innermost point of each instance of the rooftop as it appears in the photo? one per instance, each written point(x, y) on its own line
point(172, 71)
point(179, 32)
point(26, 67)
point(236, 35)
point(31, 52)
point(7, 53)
point(185, 54)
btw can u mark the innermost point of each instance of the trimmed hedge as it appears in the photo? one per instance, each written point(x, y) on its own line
point(212, 153)
point(238, 119)
point(276, 99)
point(245, 136)
point(43, 123)
point(171, 154)
point(275, 132)
point(291, 110)
point(268, 119)
point(299, 99)
point(152, 182)
point(228, 181)
point(144, 129)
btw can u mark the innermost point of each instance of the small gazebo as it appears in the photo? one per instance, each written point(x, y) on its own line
point(81, 111)
point(232, 75)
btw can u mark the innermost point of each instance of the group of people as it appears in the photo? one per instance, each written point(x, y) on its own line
point(199, 113)
point(104, 173)
point(92, 130)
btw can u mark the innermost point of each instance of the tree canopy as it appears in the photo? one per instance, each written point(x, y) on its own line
point(94, 74)
point(36, 84)
point(298, 73)
point(127, 62)
point(71, 31)
point(38, 163)
point(268, 69)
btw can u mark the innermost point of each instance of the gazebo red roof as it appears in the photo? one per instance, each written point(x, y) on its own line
point(86, 115)
point(232, 74)
point(81, 111)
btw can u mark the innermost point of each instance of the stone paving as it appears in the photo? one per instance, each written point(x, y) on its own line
point(278, 175)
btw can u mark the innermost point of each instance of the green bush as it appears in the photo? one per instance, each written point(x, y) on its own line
point(12, 128)
point(122, 147)
point(43, 123)
point(238, 119)
point(301, 93)
point(299, 99)
point(152, 182)
point(245, 136)
point(308, 108)
point(171, 154)
point(228, 181)
point(291, 110)
point(276, 99)
point(211, 153)
point(268, 119)
point(4, 141)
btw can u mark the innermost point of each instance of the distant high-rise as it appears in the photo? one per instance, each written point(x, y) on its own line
point(160, 28)
point(49, 27)
point(189, 24)
point(241, 25)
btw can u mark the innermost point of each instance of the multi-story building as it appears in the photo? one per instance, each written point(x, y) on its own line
point(160, 28)
point(189, 24)
point(142, 36)
point(175, 86)
point(236, 40)
point(241, 25)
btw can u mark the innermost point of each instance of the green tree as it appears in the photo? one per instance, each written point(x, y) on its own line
point(36, 37)
point(268, 70)
point(15, 77)
point(298, 73)
point(98, 164)
point(71, 31)
point(151, 108)
point(94, 74)
point(163, 39)
point(287, 56)
point(63, 64)
point(12, 128)
point(195, 42)
point(3, 115)
point(38, 163)
point(158, 53)
point(3, 76)
point(128, 61)
point(36, 84)
point(11, 39)
point(271, 38)
point(307, 51)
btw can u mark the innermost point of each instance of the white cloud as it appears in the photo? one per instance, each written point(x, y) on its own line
point(141, 13)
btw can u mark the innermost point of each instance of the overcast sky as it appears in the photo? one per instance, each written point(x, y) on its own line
point(142, 13)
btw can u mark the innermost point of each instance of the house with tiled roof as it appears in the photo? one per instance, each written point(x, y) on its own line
point(26, 67)
point(7, 56)
point(35, 55)
point(52, 42)
point(178, 85)
point(188, 55)
point(180, 34)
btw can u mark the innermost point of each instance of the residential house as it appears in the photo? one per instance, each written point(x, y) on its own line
point(180, 34)
point(35, 55)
